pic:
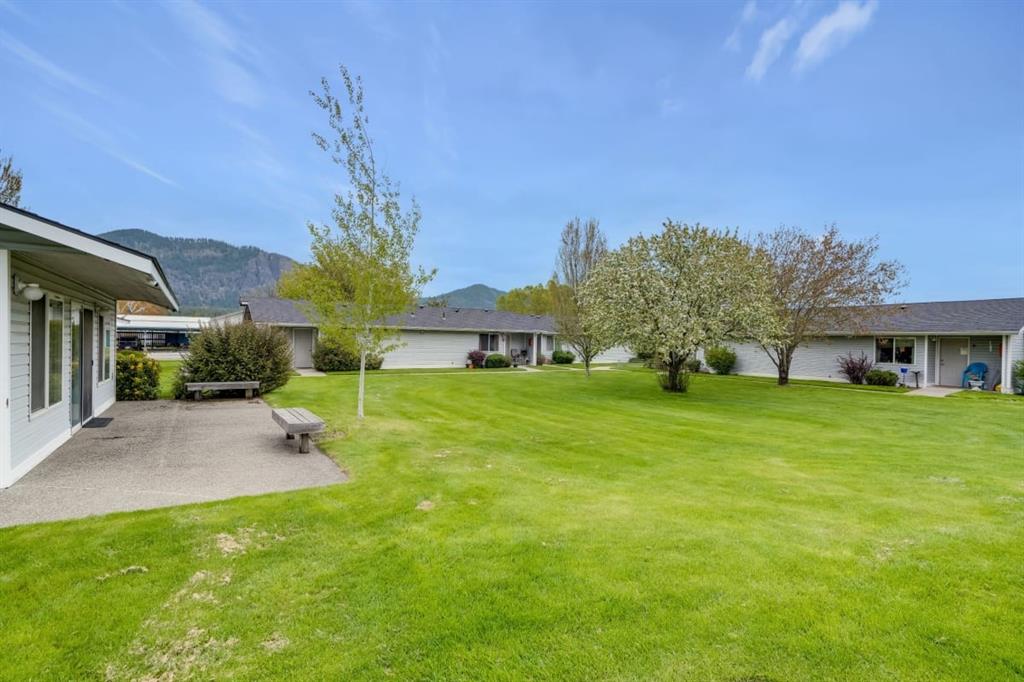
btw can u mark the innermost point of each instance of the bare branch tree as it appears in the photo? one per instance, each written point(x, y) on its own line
point(822, 284)
point(582, 248)
point(10, 182)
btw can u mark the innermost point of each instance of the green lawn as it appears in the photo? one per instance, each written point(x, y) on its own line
point(577, 529)
point(168, 372)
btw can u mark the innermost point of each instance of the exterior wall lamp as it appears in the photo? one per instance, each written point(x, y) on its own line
point(30, 291)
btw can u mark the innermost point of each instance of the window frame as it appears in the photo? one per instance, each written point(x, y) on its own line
point(106, 355)
point(894, 341)
point(486, 348)
point(47, 404)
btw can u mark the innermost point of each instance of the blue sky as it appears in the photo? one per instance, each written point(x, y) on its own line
point(900, 119)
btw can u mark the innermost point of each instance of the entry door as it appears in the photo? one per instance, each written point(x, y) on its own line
point(952, 360)
point(87, 365)
point(302, 347)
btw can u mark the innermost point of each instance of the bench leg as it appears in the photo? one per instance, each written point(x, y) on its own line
point(289, 436)
point(248, 394)
point(304, 443)
point(198, 396)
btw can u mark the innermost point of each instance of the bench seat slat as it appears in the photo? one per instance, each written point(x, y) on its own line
point(219, 385)
point(297, 420)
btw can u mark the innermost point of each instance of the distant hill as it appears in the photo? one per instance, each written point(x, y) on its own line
point(473, 296)
point(207, 275)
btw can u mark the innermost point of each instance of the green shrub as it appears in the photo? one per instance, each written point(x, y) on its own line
point(1018, 376)
point(691, 365)
point(237, 352)
point(332, 355)
point(562, 357)
point(881, 377)
point(720, 359)
point(495, 360)
point(138, 376)
point(682, 382)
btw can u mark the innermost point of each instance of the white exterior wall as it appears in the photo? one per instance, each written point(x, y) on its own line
point(817, 358)
point(34, 436)
point(1015, 353)
point(431, 349)
point(614, 354)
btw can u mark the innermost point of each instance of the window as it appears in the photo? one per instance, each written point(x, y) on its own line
point(895, 350)
point(549, 343)
point(489, 343)
point(56, 347)
point(105, 332)
point(37, 357)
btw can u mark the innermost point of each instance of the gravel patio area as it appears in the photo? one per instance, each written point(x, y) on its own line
point(164, 453)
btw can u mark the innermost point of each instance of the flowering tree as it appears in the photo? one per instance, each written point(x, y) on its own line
point(360, 272)
point(822, 284)
point(675, 292)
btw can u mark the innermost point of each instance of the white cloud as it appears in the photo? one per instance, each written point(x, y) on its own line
point(45, 66)
point(773, 41)
point(834, 31)
point(227, 54)
point(747, 15)
point(105, 142)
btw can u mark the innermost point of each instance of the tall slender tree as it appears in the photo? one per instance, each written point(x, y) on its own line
point(582, 247)
point(821, 284)
point(360, 272)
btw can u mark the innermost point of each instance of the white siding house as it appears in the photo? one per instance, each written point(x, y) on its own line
point(926, 343)
point(58, 294)
point(428, 336)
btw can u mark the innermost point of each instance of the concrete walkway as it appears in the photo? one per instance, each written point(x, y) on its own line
point(163, 453)
point(934, 391)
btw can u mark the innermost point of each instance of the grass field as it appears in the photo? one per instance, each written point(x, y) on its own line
point(545, 526)
point(168, 372)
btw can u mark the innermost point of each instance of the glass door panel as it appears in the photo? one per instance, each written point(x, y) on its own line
point(76, 367)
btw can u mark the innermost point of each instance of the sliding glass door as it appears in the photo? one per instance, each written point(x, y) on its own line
point(76, 366)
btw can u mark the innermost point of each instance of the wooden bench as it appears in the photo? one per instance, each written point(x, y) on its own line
point(196, 388)
point(300, 421)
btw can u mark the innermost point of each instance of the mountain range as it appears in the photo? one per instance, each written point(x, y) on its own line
point(209, 276)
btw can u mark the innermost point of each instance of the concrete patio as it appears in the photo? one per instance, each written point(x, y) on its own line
point(165, 453)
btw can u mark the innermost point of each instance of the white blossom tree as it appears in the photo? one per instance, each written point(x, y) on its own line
point(673, 293)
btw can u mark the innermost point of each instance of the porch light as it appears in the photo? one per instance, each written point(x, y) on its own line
point(30, 291)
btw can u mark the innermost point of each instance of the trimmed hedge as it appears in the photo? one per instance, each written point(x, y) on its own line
point(881, 377)
point(138, 376)
point(331, 355)
point(562, 357)
point(495, 360)
point(476, 358)
point(720, 359)
point(237, 352)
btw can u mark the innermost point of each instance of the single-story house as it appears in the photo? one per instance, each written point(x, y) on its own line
point(934, 342)
point(146, 332)
point(428, 336)
point(58, 292)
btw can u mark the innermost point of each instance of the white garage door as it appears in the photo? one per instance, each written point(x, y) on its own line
point(431, 349)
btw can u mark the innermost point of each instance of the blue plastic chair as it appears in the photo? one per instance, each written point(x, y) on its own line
point(975, 371)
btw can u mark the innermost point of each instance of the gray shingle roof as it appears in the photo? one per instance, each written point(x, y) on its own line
point(275, 311)
point(992, 315)
point(287, 312)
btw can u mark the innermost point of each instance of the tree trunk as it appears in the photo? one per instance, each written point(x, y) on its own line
point(674, 372)
point(362, 382)
point(586, 365)
point(785, 357)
